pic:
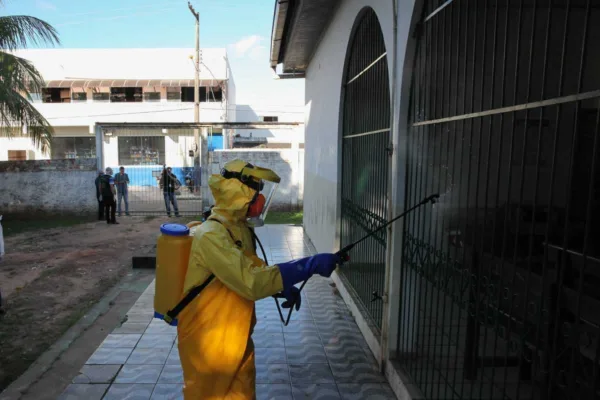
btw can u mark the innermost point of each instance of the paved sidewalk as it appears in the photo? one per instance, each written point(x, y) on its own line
point(321, 354)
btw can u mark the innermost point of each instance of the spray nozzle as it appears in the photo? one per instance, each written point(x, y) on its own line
point(431, 199)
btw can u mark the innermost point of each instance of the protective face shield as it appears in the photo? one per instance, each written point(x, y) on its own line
point(263, 181)
point(259, 207)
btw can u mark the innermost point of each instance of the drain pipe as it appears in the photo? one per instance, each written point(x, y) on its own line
point(385, 324)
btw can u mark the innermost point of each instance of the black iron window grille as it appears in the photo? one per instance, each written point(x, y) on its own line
point(501, 280)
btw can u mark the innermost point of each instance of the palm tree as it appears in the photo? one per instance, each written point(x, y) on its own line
point(19, 78)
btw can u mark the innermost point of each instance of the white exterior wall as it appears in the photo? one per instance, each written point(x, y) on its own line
point(322, 143)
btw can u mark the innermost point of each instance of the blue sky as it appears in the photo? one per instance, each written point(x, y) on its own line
point(242, 26)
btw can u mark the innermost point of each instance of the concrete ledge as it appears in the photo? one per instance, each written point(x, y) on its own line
point(400, 382)
point(367, 327)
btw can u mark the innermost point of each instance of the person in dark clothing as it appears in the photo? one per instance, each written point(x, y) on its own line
point(99, 197)
point(170, 184)
point(108, 193)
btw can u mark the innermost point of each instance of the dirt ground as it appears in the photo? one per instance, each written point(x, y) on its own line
point(50, 277)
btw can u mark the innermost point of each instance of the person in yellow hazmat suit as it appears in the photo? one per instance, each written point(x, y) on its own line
point(214, 330)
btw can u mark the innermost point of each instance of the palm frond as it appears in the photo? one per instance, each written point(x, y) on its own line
point(20, 74)
point(16, 111)
point(18, 31)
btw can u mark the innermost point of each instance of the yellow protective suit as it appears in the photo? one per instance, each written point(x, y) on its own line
point(215, 344)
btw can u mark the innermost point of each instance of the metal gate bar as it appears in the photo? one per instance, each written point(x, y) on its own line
point(501, 278)
point(365, 165)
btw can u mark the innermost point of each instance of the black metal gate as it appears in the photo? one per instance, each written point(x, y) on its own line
point(365, 165)
point(143, 152)
point(503, 275)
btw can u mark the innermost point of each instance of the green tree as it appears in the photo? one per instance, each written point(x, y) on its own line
point(19, 78)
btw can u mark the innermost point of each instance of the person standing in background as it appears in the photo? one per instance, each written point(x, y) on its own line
point(108, 193)
point(170, 184)
point(99, 197)
point(122, 183)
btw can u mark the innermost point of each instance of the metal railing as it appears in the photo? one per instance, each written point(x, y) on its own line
point(501, 279)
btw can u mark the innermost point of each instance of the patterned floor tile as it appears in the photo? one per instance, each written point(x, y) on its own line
point(139, 374)
point(139, 317)
point(171, 374)
point(121, 340)
point(145, 356)
point(311, 373)
point(268, 339)
point(160, 327)
point(331, 338)
point(270, 325)
point(129, 392)
point(78, 391)
point(300, 326)
point(341, 354)
point(273, 355)
point(173, 358)
point(273, 392)
point(324, 391)
point(307, 354)
point(97, 374)
point(356, 373)
point(365, 391)
point(167, 391)
point(272, 373)
point(131, 327)
point(107, 355)
point(301, 338)
point(156, 341)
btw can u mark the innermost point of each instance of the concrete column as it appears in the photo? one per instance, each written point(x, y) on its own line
point(99, 146)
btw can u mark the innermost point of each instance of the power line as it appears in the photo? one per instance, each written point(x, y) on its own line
point(171, 110)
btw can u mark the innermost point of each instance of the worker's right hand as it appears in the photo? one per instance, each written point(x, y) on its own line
point(297, 271)
point(325, 263)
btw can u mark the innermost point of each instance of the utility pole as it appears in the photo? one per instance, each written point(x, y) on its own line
point(199, 166)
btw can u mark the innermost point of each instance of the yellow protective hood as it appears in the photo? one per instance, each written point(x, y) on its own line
point(232, 198)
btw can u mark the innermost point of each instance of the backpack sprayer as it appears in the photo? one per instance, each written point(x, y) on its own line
point(343, 253)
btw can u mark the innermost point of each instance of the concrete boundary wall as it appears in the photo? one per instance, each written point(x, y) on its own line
point(57, 186)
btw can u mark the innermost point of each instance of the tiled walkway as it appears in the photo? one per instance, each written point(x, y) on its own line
point(321, 354)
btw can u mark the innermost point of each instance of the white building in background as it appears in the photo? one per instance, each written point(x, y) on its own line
point(85, 86)
point(268, 138)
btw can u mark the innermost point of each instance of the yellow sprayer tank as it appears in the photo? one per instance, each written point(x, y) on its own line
point(172, 256)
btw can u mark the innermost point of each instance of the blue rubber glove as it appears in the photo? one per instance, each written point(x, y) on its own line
point(291, 295)
point(297, 271)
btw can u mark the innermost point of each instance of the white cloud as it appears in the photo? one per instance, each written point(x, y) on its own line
point(249, 45)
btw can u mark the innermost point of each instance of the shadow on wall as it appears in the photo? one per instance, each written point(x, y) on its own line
point(288, 164)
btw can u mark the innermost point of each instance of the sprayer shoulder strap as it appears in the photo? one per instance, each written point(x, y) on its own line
point(195, 291)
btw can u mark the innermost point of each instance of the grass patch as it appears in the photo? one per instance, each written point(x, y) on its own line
point(13, 226)
point(282, 217)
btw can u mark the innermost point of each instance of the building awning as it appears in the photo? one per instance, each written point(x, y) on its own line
point(120, 83)
point(297, 28)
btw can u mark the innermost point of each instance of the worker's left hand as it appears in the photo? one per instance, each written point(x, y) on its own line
point(290, 295)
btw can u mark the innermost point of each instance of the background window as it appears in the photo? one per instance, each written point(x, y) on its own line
point(73, 147)
point(152, 96)
point(215, 94)
point(79, 96)
point(187, 94)
point(56, 95)
point(141, 150)
point(270, 118)
point(126, 95)
point(17, 155)
point(173, 94)
point(101, 96)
